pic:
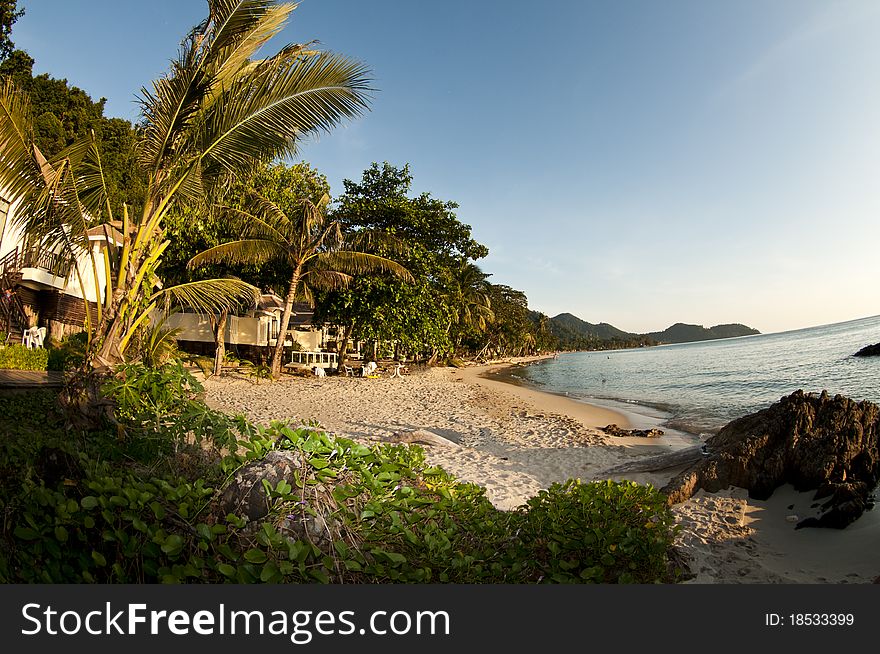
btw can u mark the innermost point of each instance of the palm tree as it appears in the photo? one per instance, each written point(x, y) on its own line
point(217, 114)
point(309, 243)
point(468, 299)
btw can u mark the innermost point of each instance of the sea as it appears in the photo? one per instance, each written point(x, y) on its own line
point(697, 388)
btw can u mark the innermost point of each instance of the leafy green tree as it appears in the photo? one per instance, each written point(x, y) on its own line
point(299, 236)
point(9, 13)
point(511, 332)
point(469, 301)
point(63, 115)
point(427, 238)
point(217, 114)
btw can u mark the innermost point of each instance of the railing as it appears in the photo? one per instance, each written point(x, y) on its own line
point(313, 358)
point(52, 262)
point(9, 263)
point(12, 314)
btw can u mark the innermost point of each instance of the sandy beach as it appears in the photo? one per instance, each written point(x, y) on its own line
point(515, 440)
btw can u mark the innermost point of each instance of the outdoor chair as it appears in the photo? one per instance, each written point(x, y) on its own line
point(33, 337)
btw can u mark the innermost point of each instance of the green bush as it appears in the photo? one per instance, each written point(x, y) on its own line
point(162, 406)
point(603, 532)
point(96, 507)
point(18, 357)
point(69, 354)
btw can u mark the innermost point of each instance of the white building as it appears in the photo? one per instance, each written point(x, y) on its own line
point(42, 287)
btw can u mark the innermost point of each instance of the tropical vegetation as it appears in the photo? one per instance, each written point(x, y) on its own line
point(121, 477)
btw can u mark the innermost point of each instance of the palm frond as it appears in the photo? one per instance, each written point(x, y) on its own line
point(254, 251)
point(20, 175)
point(244, 33)
point(253, 227)
point(269, 212)
point(354, 263)
point(327, 280)
point(211, 295)
point(261, 115)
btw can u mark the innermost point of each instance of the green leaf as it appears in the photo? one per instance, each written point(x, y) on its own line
point(270, 573)
point(255, 556)
point(61, 533)
point(99, 559)
point(226, 570)
point(173, 545)
point(89, 502)
point(26, 533)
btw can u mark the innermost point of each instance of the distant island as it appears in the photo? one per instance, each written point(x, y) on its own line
point(572, 333)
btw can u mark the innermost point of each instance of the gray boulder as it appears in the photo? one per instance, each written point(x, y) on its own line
point(813, 442)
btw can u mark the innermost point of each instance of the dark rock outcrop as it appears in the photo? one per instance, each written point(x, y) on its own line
point(614, 430)
point(245, 494)
point(869, 351)
point(813, 442)
point(309, 520)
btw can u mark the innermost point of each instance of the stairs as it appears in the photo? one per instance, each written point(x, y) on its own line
point(13, 319)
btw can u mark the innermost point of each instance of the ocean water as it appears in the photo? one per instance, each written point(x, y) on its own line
point(700, 387)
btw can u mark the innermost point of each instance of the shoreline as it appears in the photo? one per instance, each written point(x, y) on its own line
point(515, 441)
point(590, 415)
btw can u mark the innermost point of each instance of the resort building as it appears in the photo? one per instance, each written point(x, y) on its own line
point(252, 335)
point(43, 287)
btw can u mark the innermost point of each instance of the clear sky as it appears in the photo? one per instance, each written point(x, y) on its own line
point(633, 162)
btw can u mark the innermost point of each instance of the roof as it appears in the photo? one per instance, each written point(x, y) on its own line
point(105, 232)
point(302, 312)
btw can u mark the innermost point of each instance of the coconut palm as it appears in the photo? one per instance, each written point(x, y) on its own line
point(217, 113)
point(308, 242)
point(468, 298)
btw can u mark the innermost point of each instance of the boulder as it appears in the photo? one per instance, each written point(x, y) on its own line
point(869, 351)
point(245, 495)
point(310, 519)
point(614, 430)
point(813, 442)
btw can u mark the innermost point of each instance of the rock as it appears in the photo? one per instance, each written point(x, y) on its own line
point(245, 494)
point(869, 351)
point(310, 520)
point(791, 518)
point(813, 442)
point(614, 430)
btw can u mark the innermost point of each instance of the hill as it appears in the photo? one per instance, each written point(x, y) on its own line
point(572, 333)
point(683, 333)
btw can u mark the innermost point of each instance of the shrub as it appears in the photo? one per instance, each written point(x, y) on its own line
point(18, 357)
point(604, 532)
point(87, 508)
point(161, 405)
point(69, 354)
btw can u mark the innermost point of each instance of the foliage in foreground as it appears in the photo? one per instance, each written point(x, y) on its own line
point(106, 508)
point(18, 357)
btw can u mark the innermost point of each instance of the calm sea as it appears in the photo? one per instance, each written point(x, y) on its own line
point(700, 387)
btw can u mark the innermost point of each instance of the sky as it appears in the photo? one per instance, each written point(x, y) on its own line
point(633, 162)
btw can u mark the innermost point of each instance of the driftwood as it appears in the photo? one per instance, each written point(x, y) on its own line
point(660, 462)
point(422, 437)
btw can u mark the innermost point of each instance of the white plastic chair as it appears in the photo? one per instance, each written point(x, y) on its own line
point(33, 337)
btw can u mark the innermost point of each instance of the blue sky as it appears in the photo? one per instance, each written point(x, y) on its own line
point(633, 162)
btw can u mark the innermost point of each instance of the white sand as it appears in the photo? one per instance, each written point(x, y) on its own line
point(515, 441)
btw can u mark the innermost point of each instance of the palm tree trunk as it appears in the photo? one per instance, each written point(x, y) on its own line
point(220, 342)
point(278, 353)
point(342, 347)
